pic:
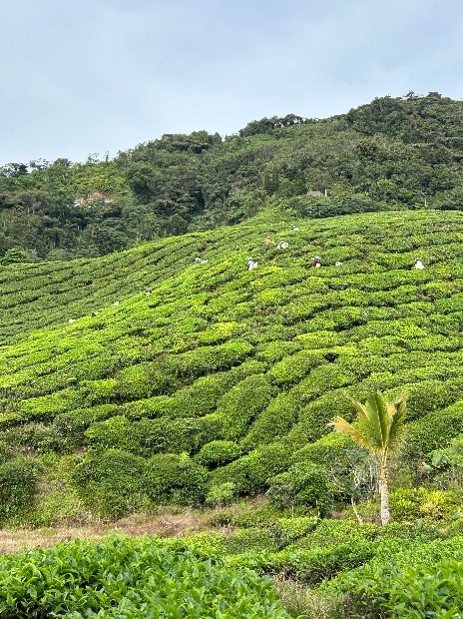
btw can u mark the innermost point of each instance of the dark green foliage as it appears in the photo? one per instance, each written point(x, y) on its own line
point(18, 484)
point(175, 479)
point(303, 486)
point(242, 404)
point(111, 482)
point(217, 453)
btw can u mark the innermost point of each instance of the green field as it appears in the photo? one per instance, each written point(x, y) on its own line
point(113, 399)
point(143, 379)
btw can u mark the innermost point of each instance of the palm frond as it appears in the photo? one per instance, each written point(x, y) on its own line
point(397, 423)
point(341, 425)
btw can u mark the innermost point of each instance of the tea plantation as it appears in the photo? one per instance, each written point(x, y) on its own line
point(145, 378)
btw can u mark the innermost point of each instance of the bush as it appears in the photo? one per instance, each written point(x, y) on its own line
point(303, 486)
point(434, 431)
point(223, 494)
point(134, 578)
point(288, 530)
point(217, 453)
point(252, 472)
point(423, 503)
point(177, 479)
point(242, 404)
point(111, 483)
point(18, 486)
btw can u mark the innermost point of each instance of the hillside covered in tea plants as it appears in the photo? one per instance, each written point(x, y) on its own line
point(145, 378)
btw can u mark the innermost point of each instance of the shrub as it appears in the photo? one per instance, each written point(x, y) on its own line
point(423, 503)
point(223, 494)
point(251, 472)
point(177, 479)
point(303, 486)
point(274, 422)
point(111, 482)
point(287, 530)
point(242, 404)
point(295, 367)
point(217, 453)
point(18, 486)
point(434, 431)
point(131, 578)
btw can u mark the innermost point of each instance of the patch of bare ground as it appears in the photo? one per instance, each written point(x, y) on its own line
point(167, 522)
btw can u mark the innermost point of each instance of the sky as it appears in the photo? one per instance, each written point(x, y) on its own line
point(80, 77)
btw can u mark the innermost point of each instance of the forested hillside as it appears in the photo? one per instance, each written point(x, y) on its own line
point(395, 153)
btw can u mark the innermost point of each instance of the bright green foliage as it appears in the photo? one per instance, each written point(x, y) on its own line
point(425, 581)
point(90, 362)
point(130, 579)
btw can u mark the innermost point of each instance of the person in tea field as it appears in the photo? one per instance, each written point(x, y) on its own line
point(282, 245)
point(268, 241)
point(252, 264)
point(317, 262)
point(419, 264)
point(201, 261)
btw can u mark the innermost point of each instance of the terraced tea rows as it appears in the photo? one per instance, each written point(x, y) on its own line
point(235, 373)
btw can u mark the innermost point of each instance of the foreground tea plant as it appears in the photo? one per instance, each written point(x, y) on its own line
point(137, 579)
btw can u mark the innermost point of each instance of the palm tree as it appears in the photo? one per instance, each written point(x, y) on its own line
point(379, 430)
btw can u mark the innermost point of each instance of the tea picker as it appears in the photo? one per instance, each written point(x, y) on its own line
point(252, 264)
point(419, 264)
point(317, 262)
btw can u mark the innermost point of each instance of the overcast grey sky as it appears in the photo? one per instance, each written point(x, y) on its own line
point(86, 76)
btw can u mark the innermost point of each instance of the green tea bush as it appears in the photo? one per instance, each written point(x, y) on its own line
point(111, 483)
point(242, 404)
point(172, 478)
point(424, 503)
point(295, 367)
point(422, 581)
point(18, 487)
point(130, 579)
point(222, 494)
point(434, 431)
point(71, 426)
point(303, 486)
point(286, 531)
point(251, 473)
point(217, 453)
point(274, 422)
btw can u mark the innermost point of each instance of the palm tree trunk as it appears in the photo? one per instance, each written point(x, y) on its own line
point(384, 495)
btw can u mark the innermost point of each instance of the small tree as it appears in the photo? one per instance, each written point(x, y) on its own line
point(380, 430)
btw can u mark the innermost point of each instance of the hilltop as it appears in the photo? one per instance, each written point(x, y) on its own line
point(393, 153)
point(144, 378)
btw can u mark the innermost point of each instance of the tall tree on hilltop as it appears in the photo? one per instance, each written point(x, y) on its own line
point(380, 430)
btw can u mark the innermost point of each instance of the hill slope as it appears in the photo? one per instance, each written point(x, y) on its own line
point(392, 153)
point(256, 360)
